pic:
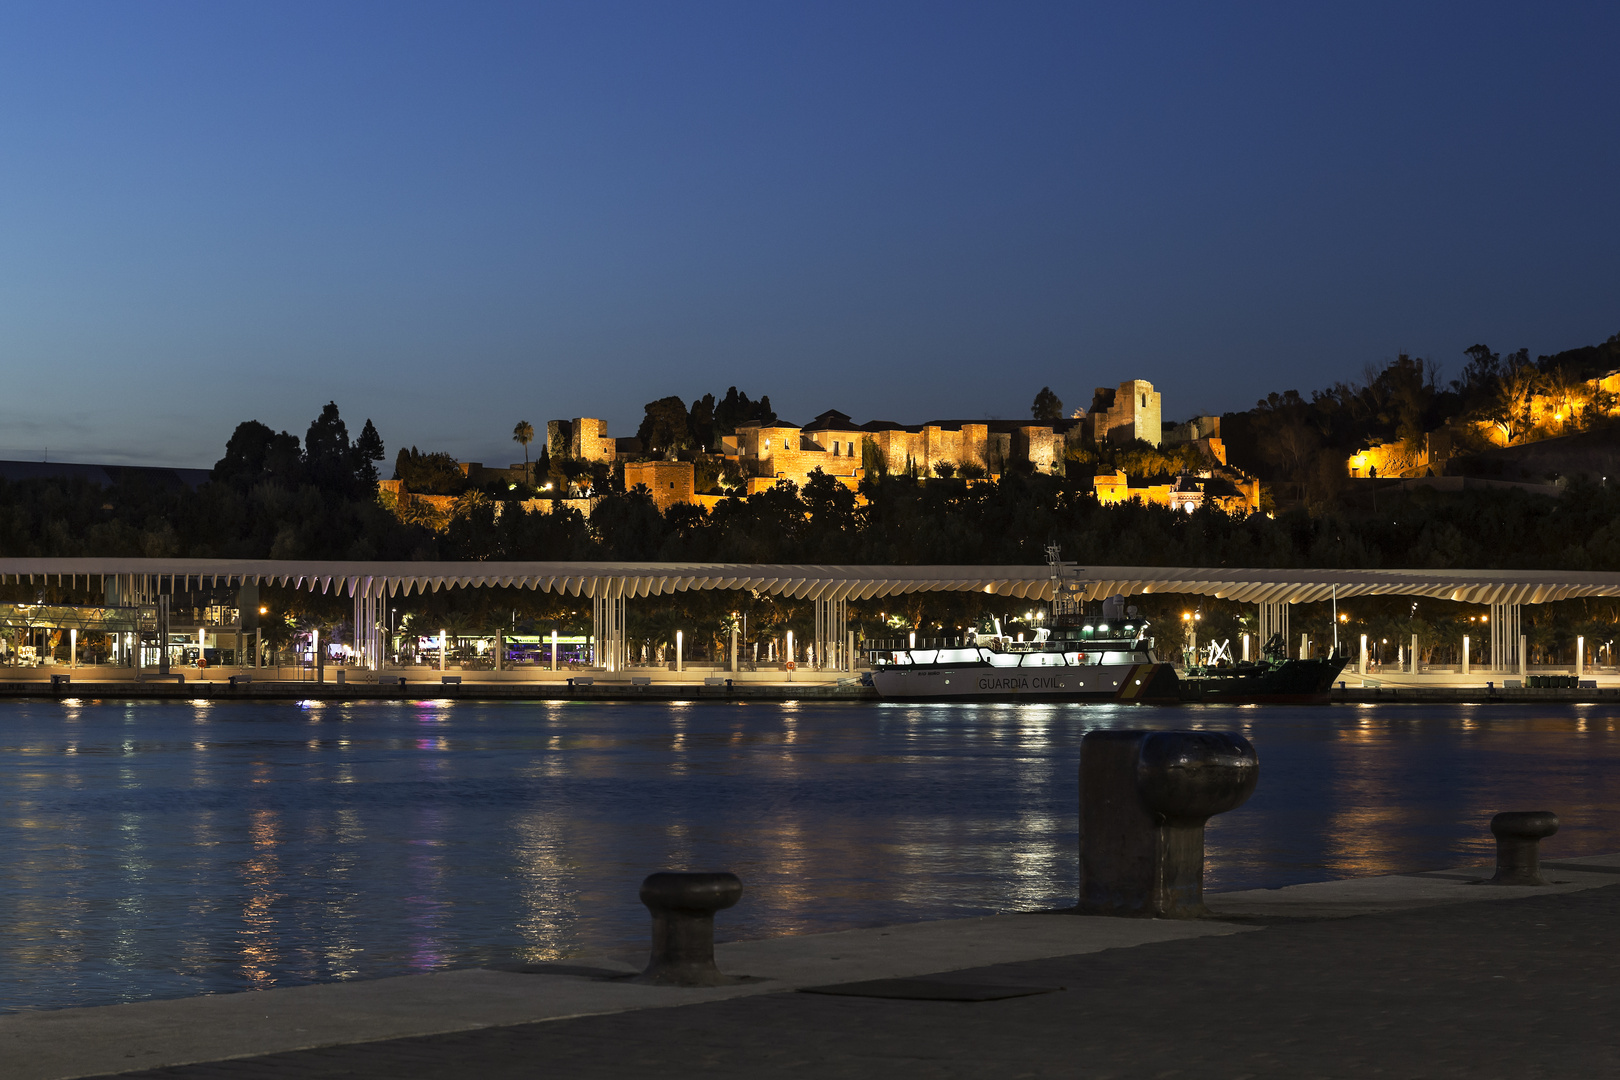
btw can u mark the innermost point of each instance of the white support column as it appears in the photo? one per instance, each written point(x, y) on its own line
point(849, 651)
point(1505, 636)
point(368, 631)
point(621, 646)
point(1304, 646)
point(73, 648)
point(1580, 656)
point(1245, 648)
point(607, 626)
point(817, 642)
point(553, 650)
point(734, 650)
point(598, 627)
point(1465, 655)
point(1414, 656)
point(1524, 654)
point(1361, 663)
point(831, 619)
point(680, 650)
point(444, 647)
point(163, 633)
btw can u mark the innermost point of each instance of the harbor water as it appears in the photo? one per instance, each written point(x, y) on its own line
point(162, 849)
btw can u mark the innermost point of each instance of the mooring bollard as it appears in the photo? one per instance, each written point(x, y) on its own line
point(1518, 845)
point(683, 907)
point(1144, 798)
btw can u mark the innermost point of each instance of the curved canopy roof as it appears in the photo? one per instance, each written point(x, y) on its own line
point(831, 582)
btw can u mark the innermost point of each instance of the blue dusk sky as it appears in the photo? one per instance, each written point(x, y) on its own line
point(451, 217)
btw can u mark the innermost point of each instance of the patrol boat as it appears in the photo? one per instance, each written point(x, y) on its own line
point(1107, 656)
point(1074, 657)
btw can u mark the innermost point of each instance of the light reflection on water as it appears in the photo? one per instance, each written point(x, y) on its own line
point(162, 849)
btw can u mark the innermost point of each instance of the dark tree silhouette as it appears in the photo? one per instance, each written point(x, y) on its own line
point(1046, 406)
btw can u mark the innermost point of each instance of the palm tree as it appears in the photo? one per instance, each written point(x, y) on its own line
point(524, 433)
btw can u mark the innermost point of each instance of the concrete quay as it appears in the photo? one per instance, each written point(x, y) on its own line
point(1429, 974)
point(1477, 688)
point(664, 684)
point(272, 684)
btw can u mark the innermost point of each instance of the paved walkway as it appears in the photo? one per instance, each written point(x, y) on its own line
point(1433, 976)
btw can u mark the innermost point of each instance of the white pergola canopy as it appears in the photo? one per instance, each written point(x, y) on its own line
point(806, 582)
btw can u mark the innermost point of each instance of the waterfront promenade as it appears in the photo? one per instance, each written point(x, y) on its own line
point(1407, 975)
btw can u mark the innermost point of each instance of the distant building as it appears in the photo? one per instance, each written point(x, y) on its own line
point(582, 438)
point(837, 447)
point(103, 475)
point(1227, 489)
point(1201, 431)
point(1131, 411)
point(783, 451)
point(670, 482)
point(840, 448)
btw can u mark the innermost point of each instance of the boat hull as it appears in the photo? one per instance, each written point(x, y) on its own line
point(1130, 683)
point(1293, 682)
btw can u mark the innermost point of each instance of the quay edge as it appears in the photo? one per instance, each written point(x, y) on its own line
point(423, 690)
point(660, 690)
point(1474, 695)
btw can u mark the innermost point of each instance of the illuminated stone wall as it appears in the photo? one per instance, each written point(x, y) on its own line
point(670, 482)
point(1133, 413)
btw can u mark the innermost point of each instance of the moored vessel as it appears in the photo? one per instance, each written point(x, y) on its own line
point(1106, 656)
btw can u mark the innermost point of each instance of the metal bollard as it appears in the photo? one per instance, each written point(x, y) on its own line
point(1144, 799)
point(683, 907)
point(1518, 845)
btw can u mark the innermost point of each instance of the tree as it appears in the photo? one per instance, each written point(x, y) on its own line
point(368, 450)
point(256, 453)
point(524, 433)
point(1482, 370)
point(1046, 405)
point(735, 409)
point(700, 422)
point(429, 474)
point(665, 428)
point(1509, 410)
point(1568, 392)
point(328, 437)
point(328, 457)
point(874, 462)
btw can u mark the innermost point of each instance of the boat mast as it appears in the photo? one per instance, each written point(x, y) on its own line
point(1065, 586)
